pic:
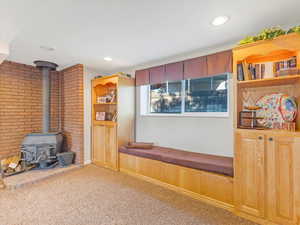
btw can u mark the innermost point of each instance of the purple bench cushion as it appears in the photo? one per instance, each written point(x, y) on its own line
point(211, 163)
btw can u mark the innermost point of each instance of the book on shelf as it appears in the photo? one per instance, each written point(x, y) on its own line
point(286, 67)
point(247, 75)
point(262, 71)
point(240, 72)
point(265, 70)
point(114, 119)
point(113, 98)
point(100, 116)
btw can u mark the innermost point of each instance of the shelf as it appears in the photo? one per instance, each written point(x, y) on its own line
point(104, 123)
point(289, 42)
point(108, 103)
point(275, 81)
point(271, 131)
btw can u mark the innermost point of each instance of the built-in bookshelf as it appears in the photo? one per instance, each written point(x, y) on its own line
point(267, 141)
point(266, 67)
point(113, 113)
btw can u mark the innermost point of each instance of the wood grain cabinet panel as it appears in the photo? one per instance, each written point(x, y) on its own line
point(111, 156)
point(104, 145)
point(190, 179)
point(209, 187)
point(195, 68)
point(99, 144)
point(249, 177)
point(219, 63)
point(283, 179)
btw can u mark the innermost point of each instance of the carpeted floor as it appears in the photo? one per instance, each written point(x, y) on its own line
point(96, 196)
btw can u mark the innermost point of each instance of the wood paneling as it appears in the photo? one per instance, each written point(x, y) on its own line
point(267, 184)
point(157, 75)
point(209, 187)
point(142, 77)
point(174, 71)
point(99, 144)
point(195, 68)
point(219, 63)
point(104, 146)
point(249, 173)
point(282, 178)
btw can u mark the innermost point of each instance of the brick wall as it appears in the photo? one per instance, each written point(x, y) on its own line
point(21, 106)
point(72, 108)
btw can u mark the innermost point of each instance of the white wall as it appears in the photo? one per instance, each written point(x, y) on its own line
point(196, 134)
point(4, 51)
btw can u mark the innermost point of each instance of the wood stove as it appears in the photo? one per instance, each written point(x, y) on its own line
point(40, 149)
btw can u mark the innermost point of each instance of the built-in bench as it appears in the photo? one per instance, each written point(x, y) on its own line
point(210, 163)
point(202, 176)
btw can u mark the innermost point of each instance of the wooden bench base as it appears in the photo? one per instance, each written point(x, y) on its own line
point(211, 188)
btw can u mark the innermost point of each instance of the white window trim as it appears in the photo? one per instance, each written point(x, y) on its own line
point(145, 105)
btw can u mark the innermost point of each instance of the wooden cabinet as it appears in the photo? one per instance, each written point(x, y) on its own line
point(267, 171)
point(283, 175)
point(280, 187)
point(249, 173)
point(104, 146)
point(113, 96)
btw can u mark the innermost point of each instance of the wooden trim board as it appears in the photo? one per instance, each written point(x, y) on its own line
point(210, 188)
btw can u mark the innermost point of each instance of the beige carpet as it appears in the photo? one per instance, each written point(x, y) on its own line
point(94, 196)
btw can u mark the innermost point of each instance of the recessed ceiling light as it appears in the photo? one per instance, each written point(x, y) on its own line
point(107, 59)
point(47, 48)
point(220, 20)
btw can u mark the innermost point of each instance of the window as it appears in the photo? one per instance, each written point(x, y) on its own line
point(165, 98)
point(193, 97)
point(206, 94)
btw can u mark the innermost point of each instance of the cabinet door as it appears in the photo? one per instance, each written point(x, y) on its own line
point(111, 151)
point(99, 145)
point(249, 179)
point(283, 179)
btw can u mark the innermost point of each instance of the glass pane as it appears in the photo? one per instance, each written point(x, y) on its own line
point(206, 94)
point(165, 98)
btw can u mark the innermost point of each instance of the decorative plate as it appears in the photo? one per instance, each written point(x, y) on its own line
point(270, 110)
point(288, 108)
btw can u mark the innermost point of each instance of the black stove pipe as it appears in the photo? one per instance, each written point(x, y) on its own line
point(46, 67)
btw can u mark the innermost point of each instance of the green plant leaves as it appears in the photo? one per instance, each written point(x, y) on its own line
point(269, 34)
point(294, 29)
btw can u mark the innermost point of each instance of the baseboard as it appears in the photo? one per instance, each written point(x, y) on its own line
point(100, 164)
point(180, 190)
point(87, 162)
point(254, 219)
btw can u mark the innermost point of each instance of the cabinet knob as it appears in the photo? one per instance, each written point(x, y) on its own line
point(271, 139)
point(260, 137)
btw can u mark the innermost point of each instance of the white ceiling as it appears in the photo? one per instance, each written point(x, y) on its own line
point(132, 32)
